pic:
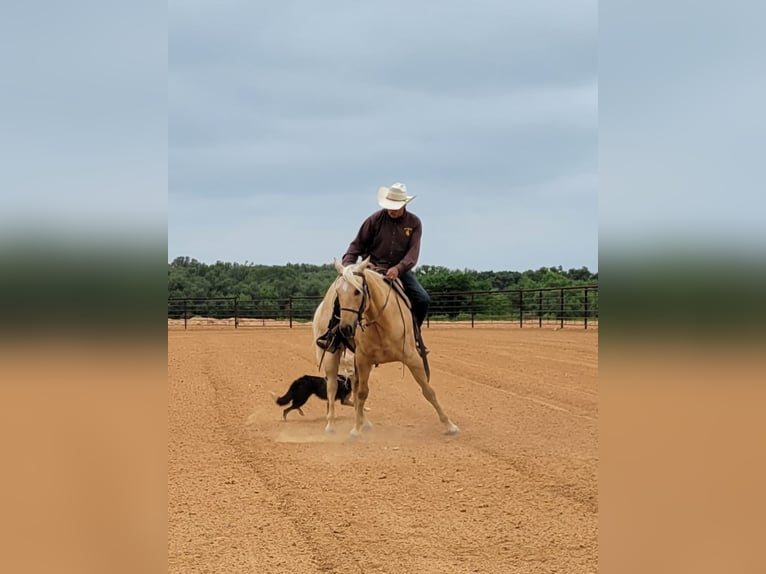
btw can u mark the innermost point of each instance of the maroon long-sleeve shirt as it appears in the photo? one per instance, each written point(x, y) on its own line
point(389, 242)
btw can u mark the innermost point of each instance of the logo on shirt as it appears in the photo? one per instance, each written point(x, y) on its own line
point(408, 231)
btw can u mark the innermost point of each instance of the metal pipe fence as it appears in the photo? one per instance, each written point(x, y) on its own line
point(561, 306)
point(575, 306)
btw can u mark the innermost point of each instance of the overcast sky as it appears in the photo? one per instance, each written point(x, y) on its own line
point(285, 117)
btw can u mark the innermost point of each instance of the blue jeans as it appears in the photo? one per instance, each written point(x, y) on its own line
point(418, 296)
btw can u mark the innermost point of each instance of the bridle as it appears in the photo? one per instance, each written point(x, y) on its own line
point(335, 333)
point(362, 306)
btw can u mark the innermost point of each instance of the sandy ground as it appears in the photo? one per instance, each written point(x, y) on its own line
point(515, 491)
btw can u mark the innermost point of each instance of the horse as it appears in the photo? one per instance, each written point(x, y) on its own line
point(376, 324)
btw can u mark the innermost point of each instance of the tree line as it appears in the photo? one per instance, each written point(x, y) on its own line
point(189, 278)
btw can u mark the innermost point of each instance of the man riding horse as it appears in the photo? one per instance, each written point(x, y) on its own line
point(390, 237)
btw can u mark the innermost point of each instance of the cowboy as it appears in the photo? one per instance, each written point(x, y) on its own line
point(391, 238)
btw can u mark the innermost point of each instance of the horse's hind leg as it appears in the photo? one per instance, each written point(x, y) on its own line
point(419, 373)
point(361, 390)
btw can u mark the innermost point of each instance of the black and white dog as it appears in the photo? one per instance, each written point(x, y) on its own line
point(302, 388)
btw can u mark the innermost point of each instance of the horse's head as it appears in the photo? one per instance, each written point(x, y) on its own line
point(351, 294)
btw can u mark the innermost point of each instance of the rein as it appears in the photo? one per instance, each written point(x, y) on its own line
point(333, 339)
point(383, 308)
point(362, 306)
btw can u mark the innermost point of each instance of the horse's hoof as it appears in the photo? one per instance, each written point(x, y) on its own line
point(329, 429)
point(453, 430)
point(366, 426)
point(354, 433)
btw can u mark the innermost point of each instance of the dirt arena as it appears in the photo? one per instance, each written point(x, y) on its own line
point(515, 491)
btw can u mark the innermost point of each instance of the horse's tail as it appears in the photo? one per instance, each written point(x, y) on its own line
point(283, 400)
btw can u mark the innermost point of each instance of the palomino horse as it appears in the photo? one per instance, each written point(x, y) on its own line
point(375, 324)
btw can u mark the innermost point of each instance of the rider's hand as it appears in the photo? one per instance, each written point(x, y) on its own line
point(392, 273)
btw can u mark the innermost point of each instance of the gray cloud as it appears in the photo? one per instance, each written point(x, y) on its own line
point(488, 108)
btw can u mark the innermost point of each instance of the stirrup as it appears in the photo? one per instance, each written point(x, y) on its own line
point(421, 345)
point(323, 341)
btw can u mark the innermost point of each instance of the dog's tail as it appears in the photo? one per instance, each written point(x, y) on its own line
point(281, 401)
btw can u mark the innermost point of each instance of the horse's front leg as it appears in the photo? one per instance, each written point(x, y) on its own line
point(331, 374)
point(361, 391)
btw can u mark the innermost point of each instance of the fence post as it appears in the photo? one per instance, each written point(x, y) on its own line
point(561, 307)
point(290, 310)
point(473, 309)
point(236, 312)
point(185, 315)
point(540, 308)
point(521, 308)
point(585, 308)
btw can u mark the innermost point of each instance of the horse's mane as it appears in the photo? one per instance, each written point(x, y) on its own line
point(354, 274)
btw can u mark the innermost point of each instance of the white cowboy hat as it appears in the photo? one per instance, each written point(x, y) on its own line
point(394, 197)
